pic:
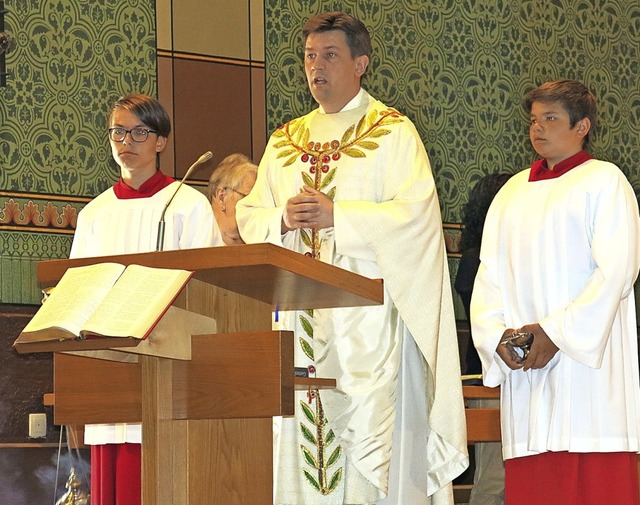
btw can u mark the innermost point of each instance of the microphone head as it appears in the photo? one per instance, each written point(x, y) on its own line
point(205, 157)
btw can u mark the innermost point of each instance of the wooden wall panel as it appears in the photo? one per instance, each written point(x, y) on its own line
point(212, 112)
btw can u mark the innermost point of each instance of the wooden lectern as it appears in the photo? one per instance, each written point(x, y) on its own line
point(206, 421)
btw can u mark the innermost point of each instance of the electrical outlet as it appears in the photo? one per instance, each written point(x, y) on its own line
point(37, 425)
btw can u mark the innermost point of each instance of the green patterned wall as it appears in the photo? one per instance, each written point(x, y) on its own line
point(460, 68)
point(72, 59)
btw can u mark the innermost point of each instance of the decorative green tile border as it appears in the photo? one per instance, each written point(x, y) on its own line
point(19, 253)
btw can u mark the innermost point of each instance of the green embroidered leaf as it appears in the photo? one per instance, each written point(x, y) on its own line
point(301, 134)
point(294, 126)
point(379, 132)
point(309, 312)
point(308, 412)
point(331, 436)
point(306, 326)
point(304, 141)
point(354, 153)
point(371, 118)
point(361, 125)
point(335, 455)
point(309, 458)
point(391, 120)
point(278, 133)
point(307, 180)
point(306, 433)
point(311, 480)
point(287, 152)
point(332, 193)
point(306, 348)
point(306, 239)
point(328, 178)
point(291, 160)
point(365, 144)
point(347, 135)
point(281, 143)
point(335, 480)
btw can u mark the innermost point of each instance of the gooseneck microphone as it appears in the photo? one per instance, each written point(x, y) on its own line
point(160, 240)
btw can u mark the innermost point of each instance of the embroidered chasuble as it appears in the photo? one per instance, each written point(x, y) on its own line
point(386, 434)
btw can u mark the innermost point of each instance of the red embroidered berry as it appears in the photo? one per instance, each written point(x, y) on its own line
point(305, 157)
point(325, 168)
point(335, 156)
point(326, 158)
point(335, 144)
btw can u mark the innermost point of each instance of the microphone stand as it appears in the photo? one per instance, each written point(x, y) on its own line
point(160, 238)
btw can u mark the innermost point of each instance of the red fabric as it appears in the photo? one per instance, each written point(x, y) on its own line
point(540, 171)
point(148, 188)
point(103, 474)
point(116, 474)
point(564, 478)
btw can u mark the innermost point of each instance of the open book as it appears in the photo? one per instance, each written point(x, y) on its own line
point(103, 300)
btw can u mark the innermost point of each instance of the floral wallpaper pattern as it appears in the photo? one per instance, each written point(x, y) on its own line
point(72, 59)
point(457, 68)
point(460, 69)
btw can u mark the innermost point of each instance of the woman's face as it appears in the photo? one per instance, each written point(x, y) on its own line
point(224, 209)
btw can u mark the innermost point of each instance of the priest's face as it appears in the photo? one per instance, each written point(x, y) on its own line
point(333, 74)
point(136, 159)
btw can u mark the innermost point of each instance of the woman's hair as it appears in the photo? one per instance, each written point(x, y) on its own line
point(230, 173)
point(475, 210)
point(356, 32)
point(148, 109)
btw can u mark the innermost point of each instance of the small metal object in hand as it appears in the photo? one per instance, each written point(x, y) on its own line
point(518, 344)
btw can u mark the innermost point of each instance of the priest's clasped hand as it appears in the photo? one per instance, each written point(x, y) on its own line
point(308, 209)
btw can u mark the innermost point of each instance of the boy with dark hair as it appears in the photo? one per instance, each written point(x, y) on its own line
point(559, 258)
point(123, 220)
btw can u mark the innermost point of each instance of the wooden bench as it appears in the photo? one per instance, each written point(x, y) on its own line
point(483, 425)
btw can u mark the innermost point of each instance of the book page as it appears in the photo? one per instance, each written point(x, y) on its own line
point(74, 299)
point(137, 301)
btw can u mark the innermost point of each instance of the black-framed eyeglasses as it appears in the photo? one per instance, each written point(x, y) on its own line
point(236, 191)
point(137, 134)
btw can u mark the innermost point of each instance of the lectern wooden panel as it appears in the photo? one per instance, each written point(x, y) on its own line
point(93, 391)
point(238, 375)
point(207, 422)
